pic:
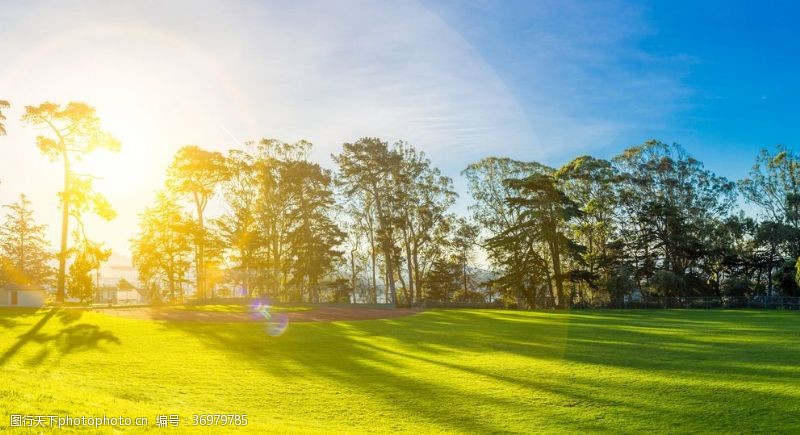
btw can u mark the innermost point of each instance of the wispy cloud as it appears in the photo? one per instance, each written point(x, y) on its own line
point(586, 73)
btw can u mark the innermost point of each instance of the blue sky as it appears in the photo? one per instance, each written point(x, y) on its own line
point(719, 77)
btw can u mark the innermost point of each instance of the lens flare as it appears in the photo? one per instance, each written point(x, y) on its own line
point(275, 324)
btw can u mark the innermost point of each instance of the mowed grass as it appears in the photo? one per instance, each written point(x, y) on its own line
point(438, 371)
point(234, 308)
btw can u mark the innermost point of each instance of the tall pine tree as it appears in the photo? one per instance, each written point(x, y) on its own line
point(23, 247)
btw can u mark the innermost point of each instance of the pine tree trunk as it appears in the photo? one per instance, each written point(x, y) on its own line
point(62, 254)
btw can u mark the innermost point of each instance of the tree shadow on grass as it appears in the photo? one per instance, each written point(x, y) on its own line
point(26, 337)
point(638, 368)
point(77, 338)
point(8, 323)
point(67, 316)
point(328, 353)
point(12, 317)
point(68, 339)
point(663, 365)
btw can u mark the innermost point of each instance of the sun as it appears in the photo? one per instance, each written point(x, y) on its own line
point(123, 172)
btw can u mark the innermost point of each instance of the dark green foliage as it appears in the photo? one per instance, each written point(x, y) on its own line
point(666, 283)
point(650, 222)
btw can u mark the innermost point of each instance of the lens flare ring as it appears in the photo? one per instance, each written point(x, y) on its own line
point(275, 324)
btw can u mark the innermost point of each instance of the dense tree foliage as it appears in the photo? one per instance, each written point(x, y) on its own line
point(650, 222)
point(379, 227)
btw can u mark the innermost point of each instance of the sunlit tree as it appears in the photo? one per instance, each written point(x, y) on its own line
point(238, 227)
point(162, 249)
point(88, 256)
point(70, 133)
point(422, 197)
point(23, 246)
point(197, 174)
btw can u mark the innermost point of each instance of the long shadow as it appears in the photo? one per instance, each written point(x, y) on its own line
point(69, 339)
point(8, 323)
point(643, 364)
point(26, 337)
point(327, 352)
point(78, 337)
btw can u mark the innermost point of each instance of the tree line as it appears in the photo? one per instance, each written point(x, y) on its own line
point(266, 220)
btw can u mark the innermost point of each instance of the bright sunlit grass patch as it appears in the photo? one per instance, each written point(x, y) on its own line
point(236, 308)
point(438, 371)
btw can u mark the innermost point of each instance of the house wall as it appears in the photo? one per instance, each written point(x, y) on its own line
point(5, 298)
point(30, 298)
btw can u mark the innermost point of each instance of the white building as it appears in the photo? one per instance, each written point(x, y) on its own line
point(13, 295)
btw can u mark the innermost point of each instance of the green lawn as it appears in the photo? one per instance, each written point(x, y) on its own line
point(438, 371)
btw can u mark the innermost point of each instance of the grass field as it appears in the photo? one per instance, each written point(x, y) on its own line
point(438, 371)
point(234, 308)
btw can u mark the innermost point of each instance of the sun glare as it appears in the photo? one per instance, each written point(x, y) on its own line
point(122, 172)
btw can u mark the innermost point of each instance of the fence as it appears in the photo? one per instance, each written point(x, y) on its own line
point(548, 303)
point(544, 303)
point(762, 302)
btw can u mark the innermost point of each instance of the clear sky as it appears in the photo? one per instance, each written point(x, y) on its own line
point(536, 80)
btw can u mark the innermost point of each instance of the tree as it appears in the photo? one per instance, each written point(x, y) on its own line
point(544, 211)
point(74, 132)
point(669, 204)
point(88, 257)
point(273, 221)
point(464, 241)
point(517, 260)
point(773, 186)
point(238, 226)
point(3, 105)
point(162, 248)
point(774, 238)
point(23, 246)
point(368, 167)
point(444, 281)
point(422, 196)
point(666, 283)
point(797, 272)
point(313, 236)
point(197, 173)
point(591, 183)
